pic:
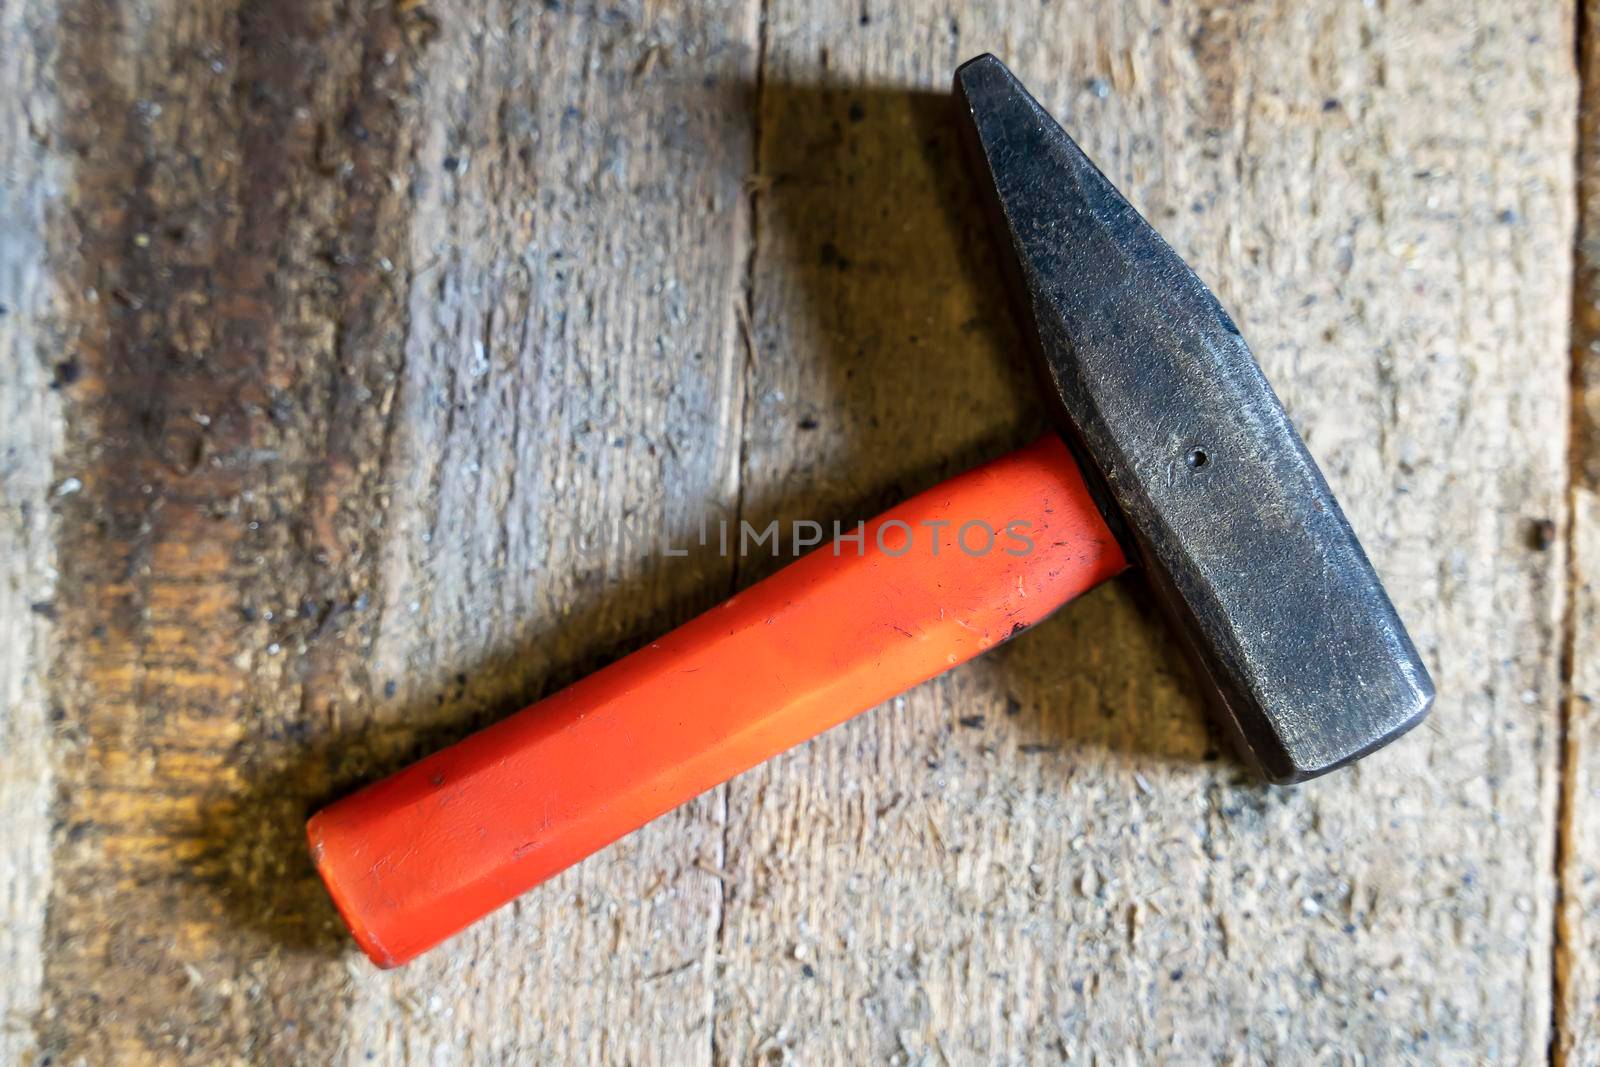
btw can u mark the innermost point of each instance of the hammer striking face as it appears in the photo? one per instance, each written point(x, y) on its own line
point(1186, 466)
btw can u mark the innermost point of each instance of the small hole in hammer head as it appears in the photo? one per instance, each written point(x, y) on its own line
point(1197, 458)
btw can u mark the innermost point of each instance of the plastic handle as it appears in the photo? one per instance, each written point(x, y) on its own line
point(418, 856)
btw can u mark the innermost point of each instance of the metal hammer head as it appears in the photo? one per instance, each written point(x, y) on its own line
point(1191, 456)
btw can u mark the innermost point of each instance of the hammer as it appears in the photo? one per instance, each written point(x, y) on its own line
point(1173, 454)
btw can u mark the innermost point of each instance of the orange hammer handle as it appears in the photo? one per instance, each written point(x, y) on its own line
point(414, 858)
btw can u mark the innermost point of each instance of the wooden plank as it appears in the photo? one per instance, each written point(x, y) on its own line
point(1577, 1009)
point(1578, 961)
point(228, 210)
point(1039, 856)
point(30, 431)
point(383, 315)
point(572, 376)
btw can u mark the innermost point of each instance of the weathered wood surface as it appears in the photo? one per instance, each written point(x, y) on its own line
point(30, 431)
point(344, 342)
point(1578, 962)
point(1578, 921)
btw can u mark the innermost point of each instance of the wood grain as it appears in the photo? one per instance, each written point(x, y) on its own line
point(1578, 964)
point(227, 238)
point(356, 357)
point(30, 431)
point(572, 380)
point(1578, 928)
point(359, 295)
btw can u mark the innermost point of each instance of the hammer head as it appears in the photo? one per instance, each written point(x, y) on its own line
point(1191, 456)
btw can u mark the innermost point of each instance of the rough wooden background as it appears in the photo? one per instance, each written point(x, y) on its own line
point(342, 345)
point(1577, 974)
